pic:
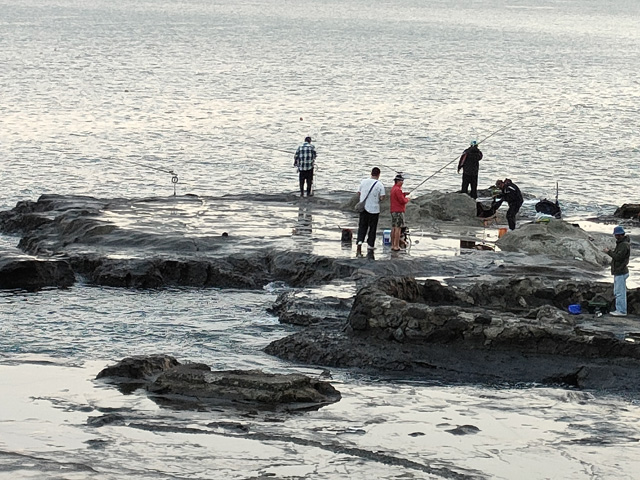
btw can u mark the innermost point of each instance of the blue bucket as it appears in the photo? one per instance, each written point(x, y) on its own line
point(575, 309)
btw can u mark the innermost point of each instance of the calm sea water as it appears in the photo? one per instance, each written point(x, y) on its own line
point(208, 88)
point(106, 97)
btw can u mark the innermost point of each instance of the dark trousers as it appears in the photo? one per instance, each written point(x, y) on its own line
point(368, 224)
point(470, 180)
point(306, 175)
point(514, 208)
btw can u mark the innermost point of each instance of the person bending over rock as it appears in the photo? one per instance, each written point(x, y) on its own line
point(510, 192)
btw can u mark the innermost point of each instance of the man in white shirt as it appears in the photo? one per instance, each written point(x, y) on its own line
point(371, 192)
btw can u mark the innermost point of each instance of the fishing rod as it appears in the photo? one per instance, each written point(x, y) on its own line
point(277, 149)
point(398, 172)
point(457, 157)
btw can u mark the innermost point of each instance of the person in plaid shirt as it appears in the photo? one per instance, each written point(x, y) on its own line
point(305, 159)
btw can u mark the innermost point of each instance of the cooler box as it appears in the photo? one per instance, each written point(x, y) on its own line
point(386, 237)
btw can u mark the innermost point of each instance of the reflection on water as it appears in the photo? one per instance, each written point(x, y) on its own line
point(379, 429)
point(303, 229)
point(95, 89)
point(90, 121)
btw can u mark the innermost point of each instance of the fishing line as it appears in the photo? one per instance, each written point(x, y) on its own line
point(458, 156)
point(174, 175)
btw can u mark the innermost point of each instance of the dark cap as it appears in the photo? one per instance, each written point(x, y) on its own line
point(307, 139)
point(399, 178)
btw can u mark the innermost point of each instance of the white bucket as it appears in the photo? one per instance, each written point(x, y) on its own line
point(386, 237)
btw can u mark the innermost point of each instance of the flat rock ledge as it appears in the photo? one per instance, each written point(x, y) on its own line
point(193, 385)
point(511, 331)
point(128, 243)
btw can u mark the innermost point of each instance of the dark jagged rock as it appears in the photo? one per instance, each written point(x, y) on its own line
point(252, 386)
point(513, 330)
point(628, 210)
point(303, 269)
point(34, 274)
point(194, 384)
point(108, 254)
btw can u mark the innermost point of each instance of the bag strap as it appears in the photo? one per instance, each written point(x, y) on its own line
point(374, 184)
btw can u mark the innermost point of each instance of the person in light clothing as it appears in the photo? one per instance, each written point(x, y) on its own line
point(620, 269)
point(510, 192)
point(372, 190)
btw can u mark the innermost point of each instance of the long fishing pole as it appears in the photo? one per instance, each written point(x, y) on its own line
point(276, 149)
point(457, 157)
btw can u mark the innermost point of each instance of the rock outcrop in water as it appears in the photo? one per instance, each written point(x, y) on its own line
point(555, 237)
point(21, 272)
point(512, 330)
point(628, 210)
point(143, 243)
point(194, 385)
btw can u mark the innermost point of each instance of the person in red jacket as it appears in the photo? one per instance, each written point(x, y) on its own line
point(399, 201)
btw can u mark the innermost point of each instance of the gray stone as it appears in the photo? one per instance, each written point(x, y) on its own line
point(194, 384)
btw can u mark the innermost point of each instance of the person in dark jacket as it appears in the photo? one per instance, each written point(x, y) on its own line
point(620, 269)
point(470, 165)
point(510, 192)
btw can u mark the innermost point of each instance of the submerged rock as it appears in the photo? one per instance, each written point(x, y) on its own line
point(195, 384)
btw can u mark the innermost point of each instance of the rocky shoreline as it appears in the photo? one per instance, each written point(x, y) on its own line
point(498, 317)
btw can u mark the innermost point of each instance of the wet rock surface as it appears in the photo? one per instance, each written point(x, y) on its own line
point(172, 241)
point(194, 385)
point(512, 330)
